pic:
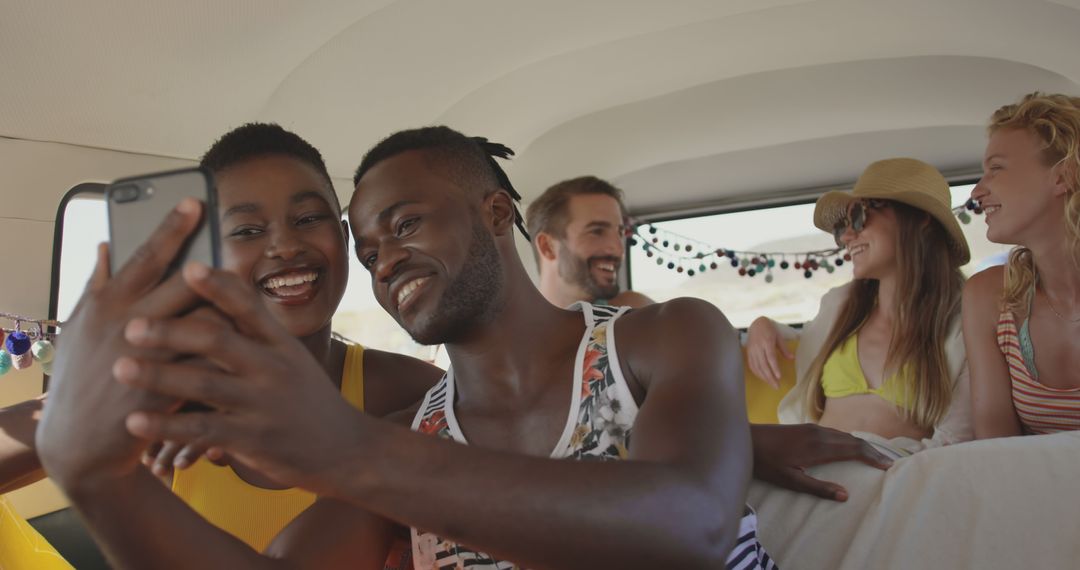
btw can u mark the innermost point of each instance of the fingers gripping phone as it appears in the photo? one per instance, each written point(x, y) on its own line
point(137, 206)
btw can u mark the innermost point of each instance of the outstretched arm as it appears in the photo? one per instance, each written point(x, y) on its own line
point(140, 524)
point(676, 503)
point(85, 447)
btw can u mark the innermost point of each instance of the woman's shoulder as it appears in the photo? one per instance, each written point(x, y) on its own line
point(838, 293)
point(394, 381)
point(832, 300)
point(390, 365)
point(984, 288)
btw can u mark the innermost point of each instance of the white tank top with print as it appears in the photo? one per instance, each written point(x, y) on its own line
point(598, 427)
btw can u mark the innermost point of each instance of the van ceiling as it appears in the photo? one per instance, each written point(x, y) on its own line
point(682, 103)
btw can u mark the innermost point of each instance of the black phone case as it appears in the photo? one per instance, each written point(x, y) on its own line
point(132, 221)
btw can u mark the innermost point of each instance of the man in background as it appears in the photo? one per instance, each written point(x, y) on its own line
point(579, 240)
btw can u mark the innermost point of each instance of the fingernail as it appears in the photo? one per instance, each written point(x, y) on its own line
point(188, 206)
point(180, 462)
point(136, 330)
point(197, 271)
point(125, 369)
point(841, 495)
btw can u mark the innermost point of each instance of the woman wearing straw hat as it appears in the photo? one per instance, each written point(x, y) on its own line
point(884, 355)
point(1022, 321)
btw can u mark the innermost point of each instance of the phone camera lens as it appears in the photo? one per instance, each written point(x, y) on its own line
point(125, 193)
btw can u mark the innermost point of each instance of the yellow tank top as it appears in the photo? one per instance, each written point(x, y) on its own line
point(842, 376)
point(253, 514)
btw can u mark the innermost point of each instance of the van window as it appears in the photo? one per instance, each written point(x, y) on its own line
point(790, 297)
point(81, 225)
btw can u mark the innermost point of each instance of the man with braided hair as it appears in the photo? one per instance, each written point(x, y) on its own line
point(550, 442)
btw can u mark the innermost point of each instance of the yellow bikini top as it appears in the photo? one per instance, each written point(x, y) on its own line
point(253, 514)
point(842, 376)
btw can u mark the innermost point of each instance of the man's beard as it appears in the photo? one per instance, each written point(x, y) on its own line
point(471, 299)
point(576, 271)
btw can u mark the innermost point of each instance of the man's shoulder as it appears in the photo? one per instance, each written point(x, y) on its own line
point(631, 299)
point(675, 320)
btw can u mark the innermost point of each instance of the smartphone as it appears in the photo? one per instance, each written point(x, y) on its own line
point(137, 205)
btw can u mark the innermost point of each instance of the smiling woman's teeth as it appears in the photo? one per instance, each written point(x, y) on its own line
point(290, 284)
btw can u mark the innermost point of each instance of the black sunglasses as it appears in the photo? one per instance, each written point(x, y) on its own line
point(855, 218)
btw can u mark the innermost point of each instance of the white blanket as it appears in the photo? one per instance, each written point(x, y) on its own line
point(1003, 503)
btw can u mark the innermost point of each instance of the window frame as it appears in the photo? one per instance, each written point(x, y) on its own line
point(77, 191)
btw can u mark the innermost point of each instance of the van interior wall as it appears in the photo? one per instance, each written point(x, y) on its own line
point(34, 176)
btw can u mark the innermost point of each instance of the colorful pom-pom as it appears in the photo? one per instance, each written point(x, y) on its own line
point(17, 343)
point(43, 351)
point(5, 362)
point(46, 367)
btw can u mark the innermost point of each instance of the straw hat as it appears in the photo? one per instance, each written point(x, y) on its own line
point(906, 180)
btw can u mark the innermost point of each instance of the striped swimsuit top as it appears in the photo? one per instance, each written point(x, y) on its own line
point(1040, 408)
point(599, 426)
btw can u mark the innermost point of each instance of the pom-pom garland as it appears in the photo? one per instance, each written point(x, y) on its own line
point(691, 257)
point(29, 341)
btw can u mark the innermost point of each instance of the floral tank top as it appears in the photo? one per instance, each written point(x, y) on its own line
point(599, 426)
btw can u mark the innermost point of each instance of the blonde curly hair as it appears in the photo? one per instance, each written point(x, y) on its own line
point(1055, 120)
